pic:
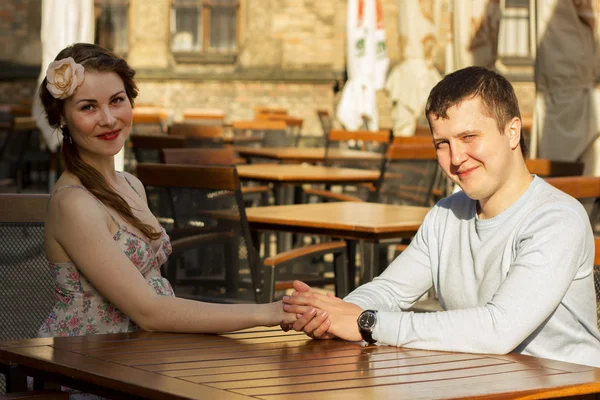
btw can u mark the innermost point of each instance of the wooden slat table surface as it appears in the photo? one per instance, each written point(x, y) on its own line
point(292, 173)
point(266, 363)
point(348, 220)
point(308, 154)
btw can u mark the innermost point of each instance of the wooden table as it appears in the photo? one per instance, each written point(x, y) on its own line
point(281, 175)
point(266, 363)
point(309, 155)
point(353, 221)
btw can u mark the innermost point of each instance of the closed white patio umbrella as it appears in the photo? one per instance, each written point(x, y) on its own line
point(367, 64)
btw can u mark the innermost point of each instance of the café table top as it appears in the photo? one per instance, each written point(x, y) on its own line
point(296, 173)
point(352, 220)
point(308, 154)
point(266, 363)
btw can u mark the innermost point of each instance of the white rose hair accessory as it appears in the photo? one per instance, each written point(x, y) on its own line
point(63, 77)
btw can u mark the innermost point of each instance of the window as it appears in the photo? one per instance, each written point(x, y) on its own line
point(204, 27)
point(112, 24)
point(516, 38)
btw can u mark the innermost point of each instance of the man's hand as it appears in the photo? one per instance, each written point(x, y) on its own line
point(337, 317)
point(314, 322)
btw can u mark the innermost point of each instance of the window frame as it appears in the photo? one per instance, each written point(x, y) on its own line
point(206, 54)
point(99, 5)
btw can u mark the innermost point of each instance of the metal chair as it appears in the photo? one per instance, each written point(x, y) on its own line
point(213, 254)
point(26, 282)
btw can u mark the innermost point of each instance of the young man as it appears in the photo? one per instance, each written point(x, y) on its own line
point(510, 257)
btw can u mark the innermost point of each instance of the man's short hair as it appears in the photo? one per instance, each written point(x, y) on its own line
point(495, 91)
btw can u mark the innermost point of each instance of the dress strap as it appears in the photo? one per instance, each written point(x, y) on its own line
point(133, 187)
point(90, 193)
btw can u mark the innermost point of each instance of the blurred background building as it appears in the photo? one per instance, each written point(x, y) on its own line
point(233, 55)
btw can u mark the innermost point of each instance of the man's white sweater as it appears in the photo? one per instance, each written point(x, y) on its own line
point(519, 282)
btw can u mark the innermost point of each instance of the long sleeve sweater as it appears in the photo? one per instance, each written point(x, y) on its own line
point(519, 282)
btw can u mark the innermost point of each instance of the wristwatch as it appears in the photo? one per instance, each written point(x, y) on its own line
point(366, 324)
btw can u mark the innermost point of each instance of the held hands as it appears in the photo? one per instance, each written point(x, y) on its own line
point(322, 316)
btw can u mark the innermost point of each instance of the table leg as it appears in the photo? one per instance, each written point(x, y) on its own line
point(282, 195)
point(371, 262)
point(351, 251)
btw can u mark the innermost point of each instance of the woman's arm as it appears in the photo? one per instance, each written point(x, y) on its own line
point(80, 226)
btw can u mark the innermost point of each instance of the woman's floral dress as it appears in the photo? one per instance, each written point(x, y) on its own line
point(81, 310)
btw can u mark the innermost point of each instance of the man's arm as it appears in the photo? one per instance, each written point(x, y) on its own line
point(552, 246)
point(406, 279)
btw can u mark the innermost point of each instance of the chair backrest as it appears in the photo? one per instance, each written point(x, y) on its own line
point(269, 110)
point(147, 122)
point(357, 140)
point(197, 156)
point(202, 209)
point(21, 136)
point(26, 281)
point(409, 175)
point(421, 140)
point(147, 148)
point(199, 135)
point(325, 120)
point(273, 133)
point(580, 187)
point(585, 189)
point(547, 168)
point(204, 117)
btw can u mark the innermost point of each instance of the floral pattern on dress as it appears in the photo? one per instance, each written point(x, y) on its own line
point(81, 310)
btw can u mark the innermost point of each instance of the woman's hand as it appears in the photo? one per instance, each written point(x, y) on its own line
point(337, 318)
point(276, 315)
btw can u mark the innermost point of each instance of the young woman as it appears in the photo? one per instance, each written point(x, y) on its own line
point(103, 243)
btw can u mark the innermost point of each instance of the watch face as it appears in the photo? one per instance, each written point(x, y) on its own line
point(366, 320)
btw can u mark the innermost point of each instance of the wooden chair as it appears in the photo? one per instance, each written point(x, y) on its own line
point(409, 175)
point(199, 135)
point(357, 140)
point(26, 284)
point(325, 120)
point(547, 168)
point(147, 148)
point(582, 188)
point(203, 117)
point(21, 150)
point(420, 140)
point(253, 195)
point(273, 133)
point(215, 260)
point(147, 122)
point(269, 110)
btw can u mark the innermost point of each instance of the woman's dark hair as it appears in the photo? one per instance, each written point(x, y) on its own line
point(495, 91)
point(97, 59)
